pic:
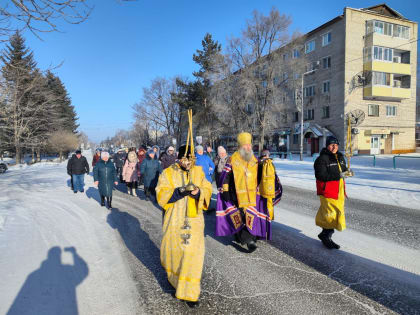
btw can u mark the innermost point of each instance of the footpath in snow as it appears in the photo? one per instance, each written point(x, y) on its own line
point(382, 183)
point(58, 254)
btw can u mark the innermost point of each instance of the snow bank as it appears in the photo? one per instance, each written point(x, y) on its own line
point(41, 219)
point(382, 183)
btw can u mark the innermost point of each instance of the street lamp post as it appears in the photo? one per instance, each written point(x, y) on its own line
point(301, 110)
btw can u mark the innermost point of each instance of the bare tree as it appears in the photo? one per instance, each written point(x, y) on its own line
point(63, 141)
point(255, 60)
point(158, 109)
point(41, 16)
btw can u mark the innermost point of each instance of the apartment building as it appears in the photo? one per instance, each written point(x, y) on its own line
point(365, 63)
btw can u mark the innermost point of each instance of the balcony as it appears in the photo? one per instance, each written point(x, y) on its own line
point(386, 92)
point(388, 67)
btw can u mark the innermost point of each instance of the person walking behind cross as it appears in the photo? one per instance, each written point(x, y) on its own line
point(105, 177)
point(150, 170)
point(220, 162)
point(205, 162)
point(77, 166)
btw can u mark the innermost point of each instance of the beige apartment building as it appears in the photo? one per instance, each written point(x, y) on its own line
point(367, 61)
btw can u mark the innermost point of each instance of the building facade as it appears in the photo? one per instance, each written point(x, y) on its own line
point(365, 63)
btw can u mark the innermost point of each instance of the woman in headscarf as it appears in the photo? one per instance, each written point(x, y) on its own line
point(105, 177)
point(131, 172)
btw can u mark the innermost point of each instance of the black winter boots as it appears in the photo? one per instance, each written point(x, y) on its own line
point(325, 237)
point(102, 201)
point(108, 201)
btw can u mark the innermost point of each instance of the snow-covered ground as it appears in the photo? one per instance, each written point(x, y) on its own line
point(41, 221)
point(382, 183)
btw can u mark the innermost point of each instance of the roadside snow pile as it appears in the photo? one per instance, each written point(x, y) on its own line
point(58, 253)
point(382, 183)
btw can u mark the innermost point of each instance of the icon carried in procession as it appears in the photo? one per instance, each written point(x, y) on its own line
point(354, 119)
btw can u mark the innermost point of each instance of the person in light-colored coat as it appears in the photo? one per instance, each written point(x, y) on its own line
point(131, 172)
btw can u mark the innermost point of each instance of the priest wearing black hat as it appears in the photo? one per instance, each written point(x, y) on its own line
point(330, 168)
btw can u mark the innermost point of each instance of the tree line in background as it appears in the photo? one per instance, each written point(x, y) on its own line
point(36, 113)
point(243, 88)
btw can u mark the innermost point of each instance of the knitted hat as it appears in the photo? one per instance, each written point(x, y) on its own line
point(221, 149)
point(332, 140)
point(244, 138)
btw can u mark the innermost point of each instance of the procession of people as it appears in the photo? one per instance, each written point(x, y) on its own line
point(181, 183)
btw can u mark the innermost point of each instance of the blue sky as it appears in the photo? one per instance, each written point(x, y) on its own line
point(108, 59)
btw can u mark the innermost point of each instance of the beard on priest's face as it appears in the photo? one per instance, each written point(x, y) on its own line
point(246, 153)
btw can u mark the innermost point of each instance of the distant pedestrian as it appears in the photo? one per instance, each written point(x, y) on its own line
point(156, 149)
point(141, 155)
point(119, 159)
point(265, 154)
point(105, 177)
point(131, 173)
point(210, 153)
point(77, 167)
point(69, 173)
point(220, 162)
point(205, 162)
point(168, 158)
point(96, 158)
point(330, 168)
point(150, 170)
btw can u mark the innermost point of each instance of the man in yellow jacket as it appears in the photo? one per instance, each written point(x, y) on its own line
point(182, 249)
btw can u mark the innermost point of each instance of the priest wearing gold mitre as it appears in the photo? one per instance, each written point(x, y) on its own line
point(248, 190)
point(183, 192)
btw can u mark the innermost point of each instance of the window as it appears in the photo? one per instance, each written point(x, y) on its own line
point(309, 91)
point(297, 75)
point(296, 53)
point(373, 110)
point(285, 57)
point(326, 62)
point(309, 46)
point(326, 112)
point(367, 54)
point(326, 39)
point(309, 114)
point(388, 29)
point(391, 110)
point(295, 139)
point(284, 118)
point(401, 31)
point(326, 87)
point(295, 116)
point(379, 27)
point(381, 78)
point(285, 76)
point(382, 53)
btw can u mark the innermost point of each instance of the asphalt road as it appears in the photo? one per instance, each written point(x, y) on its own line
point(292, 274)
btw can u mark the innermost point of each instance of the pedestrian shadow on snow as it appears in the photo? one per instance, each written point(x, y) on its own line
point(93, 193)
point(51, 289)
point(139, 244)
point(377, 281)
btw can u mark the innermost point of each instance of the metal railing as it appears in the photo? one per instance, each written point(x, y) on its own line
point(394, 159)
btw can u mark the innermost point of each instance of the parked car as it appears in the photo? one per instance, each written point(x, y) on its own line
point(3, 167)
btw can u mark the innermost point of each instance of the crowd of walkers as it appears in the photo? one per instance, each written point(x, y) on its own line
point(248, 188)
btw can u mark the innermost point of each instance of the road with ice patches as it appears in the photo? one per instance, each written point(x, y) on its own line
point(375, 272)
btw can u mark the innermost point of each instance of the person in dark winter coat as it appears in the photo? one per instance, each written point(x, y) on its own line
point(96, 158)
point(71, 177)
point(150, 170)
point(77, 166)
point(119, 159)
point(330, 168)
point(141, 155)
point(105, 177)
point(168, 158)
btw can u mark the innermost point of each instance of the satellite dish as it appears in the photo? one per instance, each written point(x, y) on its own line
point(356, 117)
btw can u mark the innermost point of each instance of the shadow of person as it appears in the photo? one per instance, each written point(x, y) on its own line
point(93, 193)
point(139, 244)
point(51, 289)
point(370, 278)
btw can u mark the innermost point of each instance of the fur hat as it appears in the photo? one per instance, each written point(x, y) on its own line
point(78, 152)
point(181, 151)
point(244, 138)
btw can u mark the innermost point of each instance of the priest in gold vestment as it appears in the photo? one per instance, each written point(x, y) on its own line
point(182, 249)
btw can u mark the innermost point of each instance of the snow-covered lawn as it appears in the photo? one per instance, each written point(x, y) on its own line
point(382, 183)
point(58, 253)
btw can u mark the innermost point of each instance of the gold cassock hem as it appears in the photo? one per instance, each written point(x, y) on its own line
point(183, 263)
